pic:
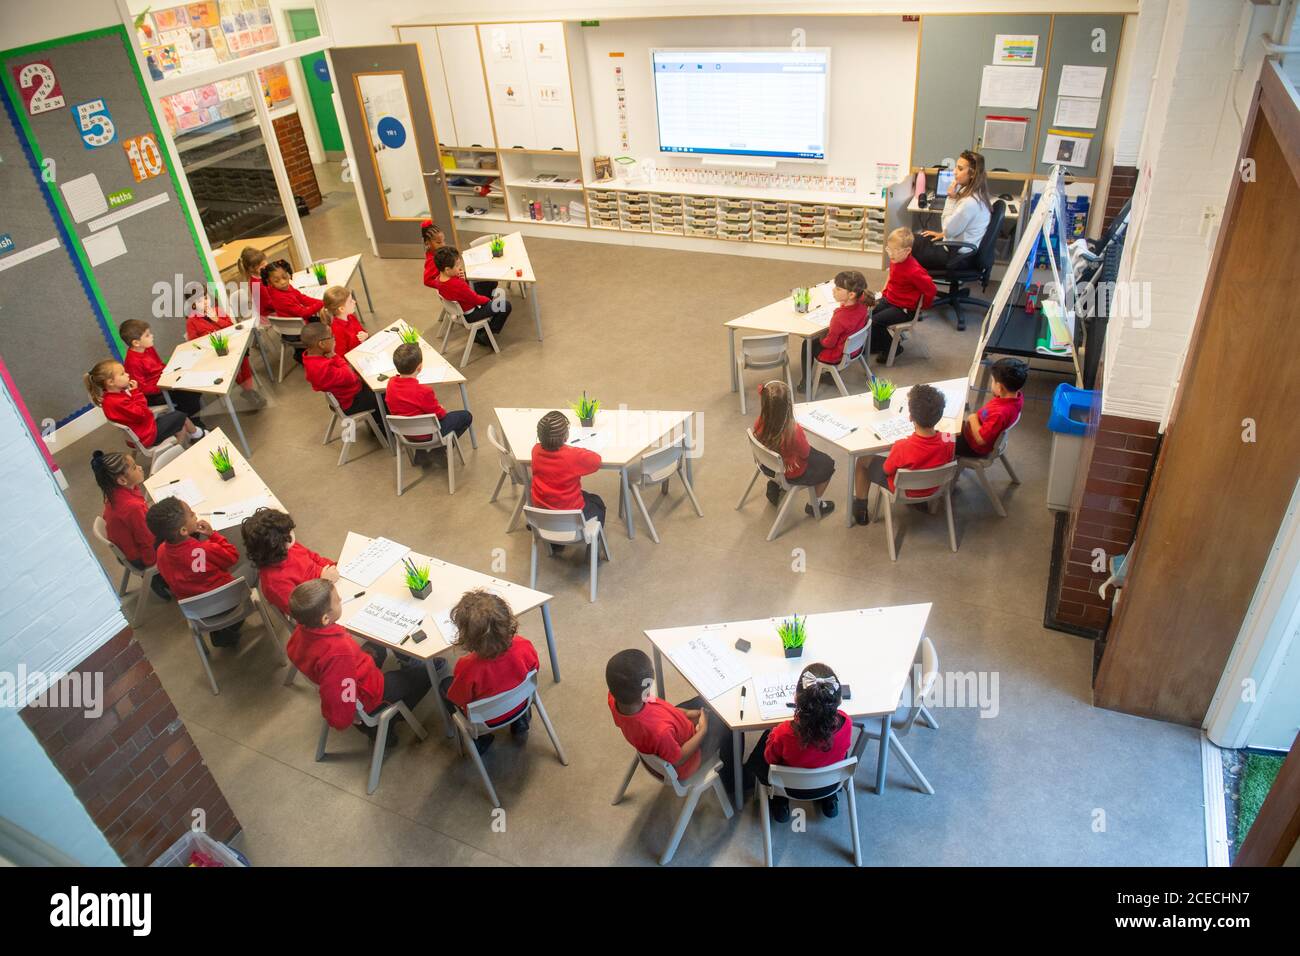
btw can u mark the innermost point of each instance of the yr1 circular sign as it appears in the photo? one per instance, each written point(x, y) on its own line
point(391, 132)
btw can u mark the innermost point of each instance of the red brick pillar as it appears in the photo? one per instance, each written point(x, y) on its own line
point(134, 767)
point(297, 160)
point(1123, 180)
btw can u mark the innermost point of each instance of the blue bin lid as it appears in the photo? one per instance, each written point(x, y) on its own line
point(1072, 409)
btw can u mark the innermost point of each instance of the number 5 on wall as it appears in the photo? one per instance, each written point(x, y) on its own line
point(94, 124)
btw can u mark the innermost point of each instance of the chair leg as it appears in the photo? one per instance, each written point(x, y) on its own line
point(952, 529)
point(905, 758)
point(1011, 473)
point(927, 718)
point(519, 510)
point(852, 799)
point(740, 376)
point(748, 488)
point(203, 659)
point(496, 492)
point(604, 543)
point(343, 452)
point(145, 588)
point(399, 466)
point(474, 755)
point(320, 744)
point(377, 754)
point(627, 781)
point(376, 430)
point(780, 515)
point(765, 818)
point(288, 678)
point(888, 505)
point(723, 802)
point(894, 339)
point(683, 818)
point(492, 339)
point(469, 345)
point(329, 429)
point(593, 551)
point(839, 382)
point(451, 465)
point(532, 571)
point(446, 334)
point(690, 493)
point(126, 579)
point(640, 503)
point(550, 731)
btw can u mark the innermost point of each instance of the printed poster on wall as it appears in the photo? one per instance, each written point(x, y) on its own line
point(39, 87)
point(503, 47)
point(549, 96)
point(1014, 49)
point(508, 95)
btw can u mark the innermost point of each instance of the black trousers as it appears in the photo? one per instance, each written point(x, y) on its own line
point(496, 312)
point(593, 506)
point(187, 402)
point(717, 741)
point(167, 425)
point(884, 315)
point(407, 684)
point(367, 402)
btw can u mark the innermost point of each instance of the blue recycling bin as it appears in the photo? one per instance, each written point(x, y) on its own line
point(1073, 410)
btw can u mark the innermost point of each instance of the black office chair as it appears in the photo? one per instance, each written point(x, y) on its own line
point(975, 267)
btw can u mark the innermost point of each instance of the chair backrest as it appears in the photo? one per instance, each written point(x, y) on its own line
point(201, 608)
point(558, 527)
point(480, 712)
point(984, 255)
point(764, 351)
point(918, 687)
point(166, 456)
point(509, 463)
point(101, 532)
point(480, 241)
point(856, 342)
point(1000, 445)
point(289, 327)
point(452, 308)
point(765, 457)
point(784, 779)
point(404, 426)
point(133, 440)
point(662, 462)
point(908, 479)
point(664, 771)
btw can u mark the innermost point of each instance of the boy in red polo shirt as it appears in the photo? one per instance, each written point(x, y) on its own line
point(343, 673)
point(680, 735)
point(908, 284)
point(406, 396)
point(924, 448)
point(499, 659)
point(142, 363)
point(558, 468)
point(192, 558)
point(981, 429)
point(451, 285)
point(282, 562)
point(331, 373)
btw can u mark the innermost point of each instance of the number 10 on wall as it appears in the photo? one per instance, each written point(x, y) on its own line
point(146, 158)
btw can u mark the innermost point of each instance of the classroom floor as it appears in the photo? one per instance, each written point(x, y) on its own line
point(1049, 780)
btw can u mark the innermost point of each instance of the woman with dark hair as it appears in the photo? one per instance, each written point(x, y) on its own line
point(965, 217)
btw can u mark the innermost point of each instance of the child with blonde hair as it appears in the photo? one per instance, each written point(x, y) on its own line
point(119, 395)
point(341, 313)
point(908, 285)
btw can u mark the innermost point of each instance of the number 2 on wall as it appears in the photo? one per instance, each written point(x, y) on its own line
point(146, 158)
point(94, 123)
point(40, 88)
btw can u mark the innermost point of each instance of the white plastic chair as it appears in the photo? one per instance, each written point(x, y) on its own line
point(346, 434)
point(521, 286)
point(289, 329)
point(129, 571)
point(911, 710)
point(907, 479)
point(658, 468)
point(380, 722)
point(402, 427)
point(762, 352)
point(515, 471)
point(981, 465)
point(692, 788)
point(781, 780)
point(566, 527)
point(137, 446)
point(166, 455)
point(221, 607)
point(855, 350)
point(455, 317)
point(764, 457)
point(477, 722)
point(900, 331)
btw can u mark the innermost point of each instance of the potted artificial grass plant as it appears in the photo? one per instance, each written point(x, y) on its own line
point(318, 270)
point(586, 410)
point(801, 296)
point(220, 342)
point(417, 579)
point(882, 389)
point(793, 632)
point(498, 247)
point(408, 335)
point(221, 461)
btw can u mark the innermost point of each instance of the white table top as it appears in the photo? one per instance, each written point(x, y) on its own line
point(481, 266)
point(371, 363)
point(449, 581)
point(1013, 208)
point(780, 316)
point(859, 412)
point(338, 272)
point(194, 464)
point(629, 433)
point(227, 366)
point(870, 649)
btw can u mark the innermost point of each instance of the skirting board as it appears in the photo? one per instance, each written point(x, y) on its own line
point(1216, 811)
point(74, 430)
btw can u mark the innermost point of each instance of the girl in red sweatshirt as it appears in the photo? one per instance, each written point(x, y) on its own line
point(341, 312)
point(192, 558)
point(119, 395)
point(282, 563)
point(775, 428)
point(853, 311)
point(279, 297)
point(119, 478)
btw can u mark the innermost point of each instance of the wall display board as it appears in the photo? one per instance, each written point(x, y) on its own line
point(95, 158)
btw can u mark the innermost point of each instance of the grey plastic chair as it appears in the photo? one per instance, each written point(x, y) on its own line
point(762, 352)
point(707, 777)
point(455, 318)
point(221, 607)
point(658, 468)
point(781, 780)
point(515, 471)
point(566, 527)
point(129, 571)
point(855, 350)
point(402, 427)
point(137, 447)
point(166, 455)
point(906, 479)
point(900, 331)
point(380, 722)
point(981, 465)
point(474, 723)
point(289, 330)
point(764, 457)
point(911, 710)
point(348, 435)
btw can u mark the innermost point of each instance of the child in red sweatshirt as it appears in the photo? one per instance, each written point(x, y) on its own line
point(434, 240)
point(344, 674)
point(981, 429)
point(331, 373)
point(192, 558)
point(908, 285)
point(406, 396)
point(924, 448)
point(282, 562)
point(341, 312)
point(119, 478)
point(776, 429)
point(279, 297)
point(142, 363)
point(119, 395)
point(558, 469)
point(204, 319)
point(853, 310)
point(451, 285)
point(499, 659)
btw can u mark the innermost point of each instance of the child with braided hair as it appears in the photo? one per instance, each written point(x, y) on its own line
point(558, 469)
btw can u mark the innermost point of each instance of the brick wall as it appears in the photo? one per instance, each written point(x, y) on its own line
point(1123, 180)
point(297, 161)
point(135, 767)
point(1113, 470)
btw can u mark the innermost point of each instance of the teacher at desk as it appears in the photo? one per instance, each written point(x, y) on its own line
point(965, 219)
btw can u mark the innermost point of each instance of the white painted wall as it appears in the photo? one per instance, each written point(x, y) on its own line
point(56, 606)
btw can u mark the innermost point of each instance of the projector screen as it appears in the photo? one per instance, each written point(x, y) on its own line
point(743, 102)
